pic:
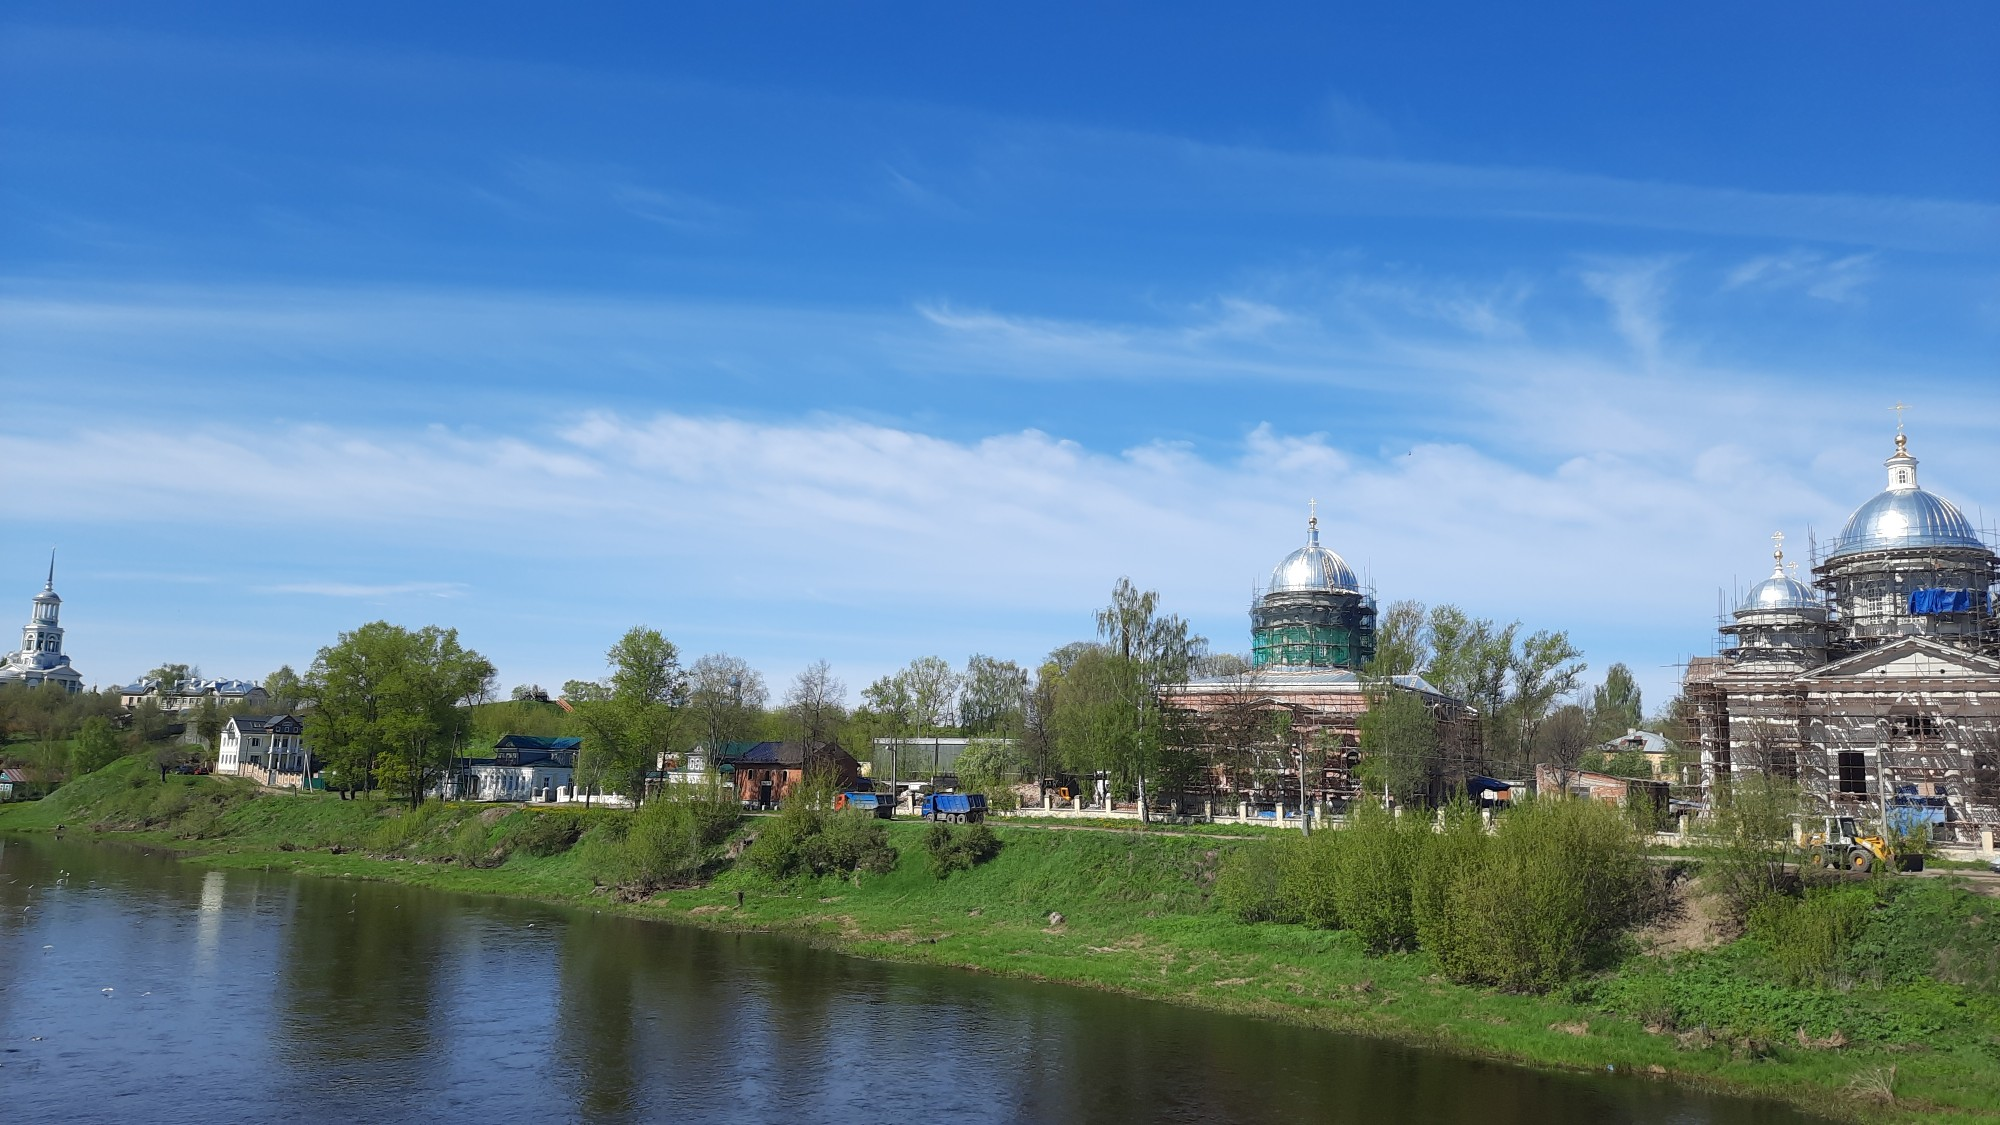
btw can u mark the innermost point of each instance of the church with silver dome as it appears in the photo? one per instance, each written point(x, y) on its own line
point(1299, 702)
point(1314, 613)
point(1876, 685)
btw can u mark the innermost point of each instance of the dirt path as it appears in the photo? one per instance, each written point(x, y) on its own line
point(1978, 882)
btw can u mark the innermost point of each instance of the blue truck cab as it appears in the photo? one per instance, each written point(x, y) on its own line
point(959, 808)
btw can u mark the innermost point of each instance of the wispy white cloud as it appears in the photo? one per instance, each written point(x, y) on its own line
point(827, 522)
point(1636, 292)
point(1028, 519)
point(998, 164)
point(1826, 277)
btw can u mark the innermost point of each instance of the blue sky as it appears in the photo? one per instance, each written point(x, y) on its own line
point(866, 332)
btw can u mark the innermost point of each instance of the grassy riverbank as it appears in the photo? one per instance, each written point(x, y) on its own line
point(1137, 916)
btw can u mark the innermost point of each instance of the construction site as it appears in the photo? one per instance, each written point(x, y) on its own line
point(1285, 733)
point(1877, 685)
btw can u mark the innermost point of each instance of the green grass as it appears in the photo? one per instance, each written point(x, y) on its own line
point(1139, 917)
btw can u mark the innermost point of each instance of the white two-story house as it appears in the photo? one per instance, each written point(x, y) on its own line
point(270, 748)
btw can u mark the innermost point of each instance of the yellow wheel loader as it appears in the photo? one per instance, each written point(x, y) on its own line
point(1839, 843)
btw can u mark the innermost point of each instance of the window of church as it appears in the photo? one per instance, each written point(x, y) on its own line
point(1913, 726)
point(1853, 772)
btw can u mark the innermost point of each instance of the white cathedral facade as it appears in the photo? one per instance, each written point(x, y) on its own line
point(41, 660)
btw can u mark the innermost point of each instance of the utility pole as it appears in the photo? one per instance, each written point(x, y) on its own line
point(1305, 812)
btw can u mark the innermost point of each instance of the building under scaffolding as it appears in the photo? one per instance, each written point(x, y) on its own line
point(1297, 709)
point(1878, 686)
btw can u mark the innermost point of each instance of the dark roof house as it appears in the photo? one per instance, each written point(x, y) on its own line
point(767, 772)
point(530, 750)
point(274, 724)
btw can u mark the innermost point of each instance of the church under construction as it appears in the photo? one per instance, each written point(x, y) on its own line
point(1877, 685)
point(1299, 704)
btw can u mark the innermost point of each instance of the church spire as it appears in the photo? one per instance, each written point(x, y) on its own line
point(1312, 522)
point(51, 583)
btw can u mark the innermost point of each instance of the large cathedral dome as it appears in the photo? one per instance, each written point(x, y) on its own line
point(1312, 567)
point(1907, 517)
point(1904, 515)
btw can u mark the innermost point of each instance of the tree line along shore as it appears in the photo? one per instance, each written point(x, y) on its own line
point(1872, 998)
point(389, 708)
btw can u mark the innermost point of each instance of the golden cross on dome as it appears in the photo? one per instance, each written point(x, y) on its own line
point(1899, 408)
point(1312, 510)
point(1778, 545)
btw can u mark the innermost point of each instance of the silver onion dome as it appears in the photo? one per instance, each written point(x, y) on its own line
point(1908, 517)
point(1904, 515)
point(1777, 594)
point(1313, 567)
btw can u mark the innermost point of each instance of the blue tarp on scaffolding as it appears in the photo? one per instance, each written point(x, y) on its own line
point(1931, 601)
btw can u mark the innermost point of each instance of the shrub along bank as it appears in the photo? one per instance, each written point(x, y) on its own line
point(1908, 1012)
point(1532, 906)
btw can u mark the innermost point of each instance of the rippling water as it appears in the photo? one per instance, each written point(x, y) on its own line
point(135, 988)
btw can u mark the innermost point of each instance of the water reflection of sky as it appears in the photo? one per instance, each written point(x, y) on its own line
point(253, 996)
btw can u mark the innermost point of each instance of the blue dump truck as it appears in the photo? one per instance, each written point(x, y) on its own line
point(881, 805)
point(959, 808)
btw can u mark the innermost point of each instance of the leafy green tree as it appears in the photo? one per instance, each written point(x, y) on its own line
point(96, 746)
point(994, 698)
point(889, 713)
point(1039, 755)
point(631, 716)
point(1402, 639)
point(285, 689)
point(1093, 714)
point(920, 700)
point(169, 675)
point(933, 688)
point(1399, 746)
point(388, 704)
point(1154, 651)
point(1546, 667)
point(1471, 659)
point(1615, 705)
point(990, 766)
point(208, 722)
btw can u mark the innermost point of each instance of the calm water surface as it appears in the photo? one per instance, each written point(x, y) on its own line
point(134, 988)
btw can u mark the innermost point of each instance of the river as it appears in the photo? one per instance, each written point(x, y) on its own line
point(137, 988)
